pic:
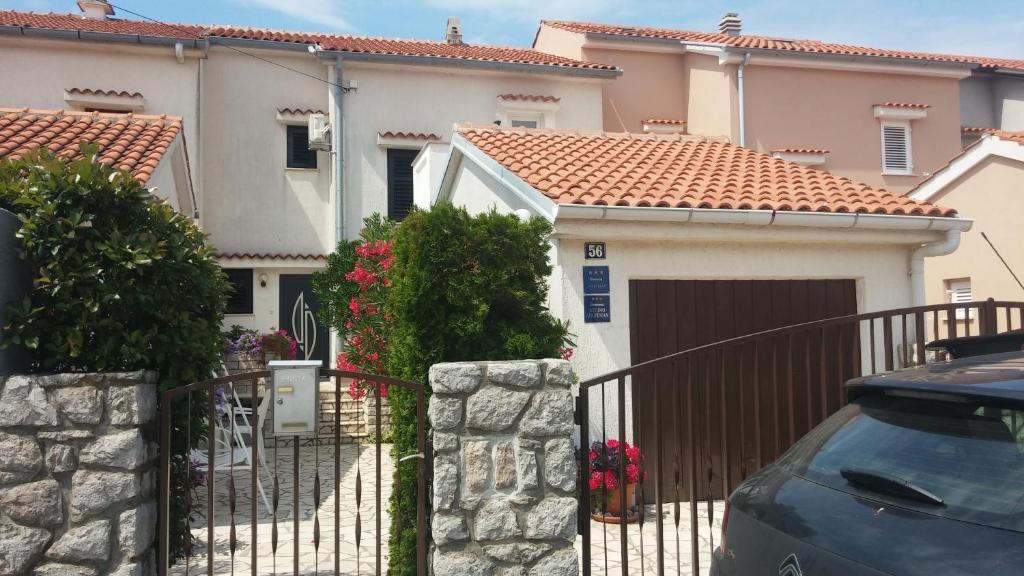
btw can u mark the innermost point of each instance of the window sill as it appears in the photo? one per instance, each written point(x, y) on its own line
point(295, 169)
point(892, 173)
point(241, 315)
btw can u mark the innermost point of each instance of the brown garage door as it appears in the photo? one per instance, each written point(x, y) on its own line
point(668, 316)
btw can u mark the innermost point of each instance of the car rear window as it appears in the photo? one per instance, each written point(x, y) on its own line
point(970, 455)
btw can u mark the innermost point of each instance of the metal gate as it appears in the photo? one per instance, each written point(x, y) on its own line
point(730, 408)
point(255, 509)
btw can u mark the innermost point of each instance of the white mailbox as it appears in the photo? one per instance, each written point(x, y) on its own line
point(295, 386)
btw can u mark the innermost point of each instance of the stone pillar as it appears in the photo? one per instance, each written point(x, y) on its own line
point(77, 474)
point(504, 500)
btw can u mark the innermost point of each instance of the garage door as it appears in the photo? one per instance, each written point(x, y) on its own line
point(669, 316)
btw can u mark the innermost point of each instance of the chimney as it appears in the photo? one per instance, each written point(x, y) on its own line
point(453, 33)
point(95, 9)
point(730, 24)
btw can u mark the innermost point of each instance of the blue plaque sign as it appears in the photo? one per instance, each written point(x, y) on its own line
point(595, 280)
point(597, 308)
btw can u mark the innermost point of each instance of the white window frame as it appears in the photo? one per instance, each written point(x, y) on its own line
point(543, 113)
point(909, 131)
point(955, 294)
point(536, 118)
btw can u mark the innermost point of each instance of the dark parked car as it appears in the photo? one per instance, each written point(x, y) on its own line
point(922, 473)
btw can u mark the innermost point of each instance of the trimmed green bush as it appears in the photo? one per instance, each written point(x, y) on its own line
point(120, 282)
point(462, 288)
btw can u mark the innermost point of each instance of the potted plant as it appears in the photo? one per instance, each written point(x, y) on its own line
point(248, 350)
point(604, 481)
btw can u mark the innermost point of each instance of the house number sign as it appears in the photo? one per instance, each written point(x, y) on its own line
point(594, 250)
point(596, 285)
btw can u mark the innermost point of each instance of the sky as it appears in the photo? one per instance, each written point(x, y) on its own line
point(972, 27)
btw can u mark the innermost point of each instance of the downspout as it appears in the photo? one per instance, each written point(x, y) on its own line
point(742, 98)
point(337, 148)
point(939, 248)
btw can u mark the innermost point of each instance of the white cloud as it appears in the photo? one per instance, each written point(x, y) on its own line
point(327, 13)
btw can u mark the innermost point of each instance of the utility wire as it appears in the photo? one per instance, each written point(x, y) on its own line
point(240, 51)
point(1003, 260)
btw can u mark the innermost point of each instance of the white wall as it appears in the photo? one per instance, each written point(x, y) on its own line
point(977, 103)
point(265, 299)
point(1009, 96)
point(36, 73)
point(255, 203)
point(433, 99)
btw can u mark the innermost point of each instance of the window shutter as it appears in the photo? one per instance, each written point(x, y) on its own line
point(960, 293)
point(896, 148)
point(240, 297)
point(400, 180)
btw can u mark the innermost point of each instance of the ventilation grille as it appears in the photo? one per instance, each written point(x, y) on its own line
point(896, 148)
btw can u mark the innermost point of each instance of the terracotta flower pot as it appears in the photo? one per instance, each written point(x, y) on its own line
point(613, 500)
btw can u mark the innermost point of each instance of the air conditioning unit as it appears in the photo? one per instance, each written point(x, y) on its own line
point(319, 132)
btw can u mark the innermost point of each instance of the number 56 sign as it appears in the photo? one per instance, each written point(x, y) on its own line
point(594, 250)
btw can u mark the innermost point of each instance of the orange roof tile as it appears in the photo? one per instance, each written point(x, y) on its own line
point(666, 121)
point(333, 42)
point(529, 97)
point(801, 150)
point(676, 171)
point(409, 135)
point(1017, 137)
point(53, 21)
point(269, 256)
point(112, 93)
point(770, 43)
point(127, 141)
point(904, 105)
point(299, 111)
point(976, 129)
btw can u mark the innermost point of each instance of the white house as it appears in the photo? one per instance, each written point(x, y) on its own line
point(272, 206)
point(693, 237)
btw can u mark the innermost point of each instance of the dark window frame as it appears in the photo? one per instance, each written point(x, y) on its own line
point(299, 156)
point(400, 181)
point(240, 298)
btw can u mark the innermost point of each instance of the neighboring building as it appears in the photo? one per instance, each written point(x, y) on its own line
point(152, 148)
point(986, 181)
point(268, 201)
point(695, 238)
point(885, 117)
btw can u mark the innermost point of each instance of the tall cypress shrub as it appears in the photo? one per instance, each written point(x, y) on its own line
point(463, 288)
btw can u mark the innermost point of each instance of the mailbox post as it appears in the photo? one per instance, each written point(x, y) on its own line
point(296, 387)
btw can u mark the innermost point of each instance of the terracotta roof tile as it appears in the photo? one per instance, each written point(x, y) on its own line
point(299, 111)
point(269, 256)
point(801, 150)
point(976, 129)
point(127, 141)
point(111, 93)
point(427, 48)
point(336, 42)
point(665, 121)
point(53, 21)
point(676, 171)
point(1017, 137)
point(409, 135)
point(770, 43)
point(529, 97)
point(904, 105)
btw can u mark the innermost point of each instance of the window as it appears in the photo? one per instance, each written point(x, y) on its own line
point(523, 123)
point(897, 157)
point(970, 454)
point(526, 120)
point(959, 292)
point(299, 154)
point(400, 182)
point(240, 296)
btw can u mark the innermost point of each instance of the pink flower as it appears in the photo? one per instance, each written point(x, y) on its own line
point(353, 306)
point(611, 480)
point(633, 453)
point(596, 480)
point(593, 455)
point(632, 473)
point(612, 444)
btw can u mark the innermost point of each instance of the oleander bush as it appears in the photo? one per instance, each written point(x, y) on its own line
point(120, 282)
point(461, 288)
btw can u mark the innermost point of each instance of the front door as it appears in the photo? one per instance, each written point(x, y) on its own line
point(298, 315)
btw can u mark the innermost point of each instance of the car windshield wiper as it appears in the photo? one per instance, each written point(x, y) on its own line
point(886, 483)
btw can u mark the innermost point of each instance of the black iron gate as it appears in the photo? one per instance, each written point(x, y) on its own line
point(727, 409)
point(214, 468)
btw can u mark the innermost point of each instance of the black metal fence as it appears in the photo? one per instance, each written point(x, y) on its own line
point(223, 441)
point(721, 412)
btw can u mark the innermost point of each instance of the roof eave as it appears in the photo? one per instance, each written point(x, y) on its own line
point(735, 54)
point(63, 34)
point(441, 61)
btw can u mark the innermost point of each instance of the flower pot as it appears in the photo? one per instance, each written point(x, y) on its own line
point(613, 503)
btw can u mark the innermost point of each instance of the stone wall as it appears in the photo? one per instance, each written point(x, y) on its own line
point(504, 499)
point(77, 474)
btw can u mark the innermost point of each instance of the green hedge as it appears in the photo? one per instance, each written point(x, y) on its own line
point(463, 288)
point(120, 282)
